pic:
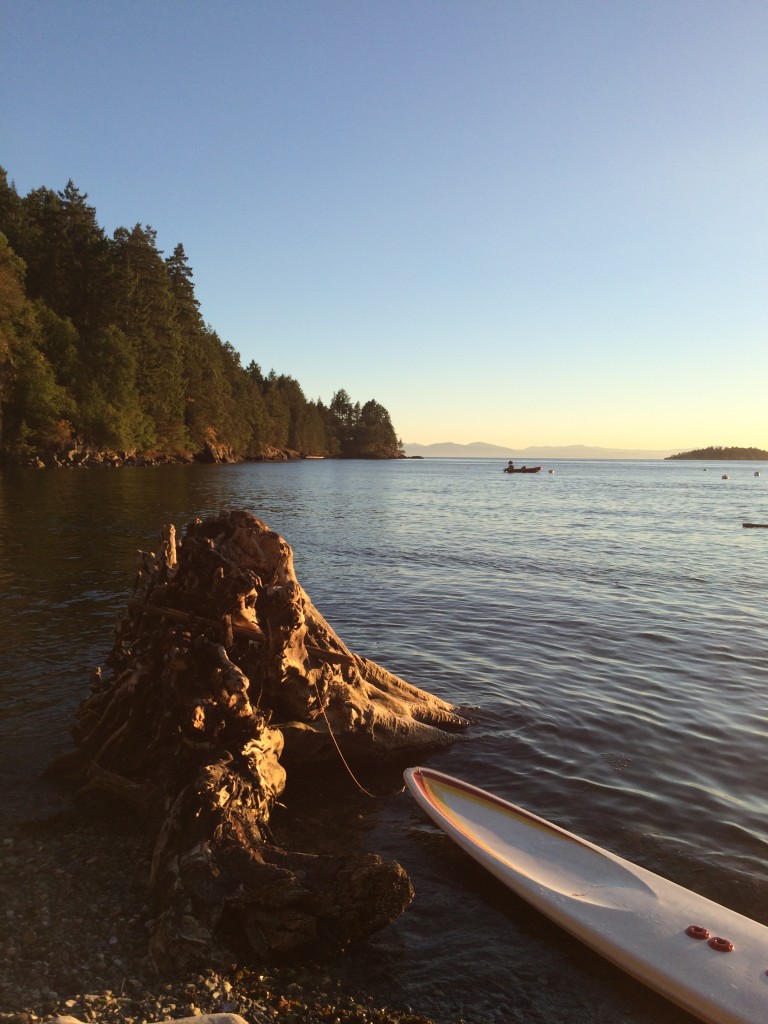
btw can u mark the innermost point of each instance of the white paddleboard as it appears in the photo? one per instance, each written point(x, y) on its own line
point(709, 960)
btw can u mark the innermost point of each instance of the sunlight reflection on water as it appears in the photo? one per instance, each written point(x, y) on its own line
point(606, 622)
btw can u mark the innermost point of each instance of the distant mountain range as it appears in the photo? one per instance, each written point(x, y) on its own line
point(481, 450)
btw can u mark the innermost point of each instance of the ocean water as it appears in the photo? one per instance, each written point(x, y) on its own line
point(606, 622)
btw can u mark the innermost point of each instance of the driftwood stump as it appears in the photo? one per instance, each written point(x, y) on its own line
point(223, 677)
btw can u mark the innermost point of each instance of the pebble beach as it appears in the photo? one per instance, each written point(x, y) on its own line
point(74, 941)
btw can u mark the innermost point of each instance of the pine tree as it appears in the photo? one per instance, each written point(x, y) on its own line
point(374, 435)
point(102, 339)
point(144, 308)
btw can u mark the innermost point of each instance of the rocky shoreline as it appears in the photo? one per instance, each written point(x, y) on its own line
point(90, 458)
point(74, 941)
point(79, 456)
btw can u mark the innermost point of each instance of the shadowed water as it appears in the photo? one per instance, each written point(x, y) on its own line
point(607, 622)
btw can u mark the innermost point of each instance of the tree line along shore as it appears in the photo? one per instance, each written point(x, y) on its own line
point(105, 356)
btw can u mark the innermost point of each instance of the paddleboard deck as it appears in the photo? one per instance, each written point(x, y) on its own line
point(709, 960)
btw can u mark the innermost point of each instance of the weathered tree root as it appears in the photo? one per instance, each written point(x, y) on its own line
point(223, 674)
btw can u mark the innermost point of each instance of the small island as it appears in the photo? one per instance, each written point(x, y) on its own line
point(715, 453)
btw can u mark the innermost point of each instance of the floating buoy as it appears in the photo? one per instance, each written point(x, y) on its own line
point(725, 476)
point(552, 471)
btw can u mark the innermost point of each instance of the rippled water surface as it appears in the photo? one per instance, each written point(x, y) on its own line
point(606, 621)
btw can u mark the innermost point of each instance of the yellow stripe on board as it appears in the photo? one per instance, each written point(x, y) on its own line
point(440, 791)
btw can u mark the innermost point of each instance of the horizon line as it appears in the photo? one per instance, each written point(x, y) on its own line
point(535, 447)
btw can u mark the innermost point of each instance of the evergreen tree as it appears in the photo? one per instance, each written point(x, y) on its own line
point(36, 409)
point(313, 430)
point(342, 421)
point(84, 255)
point(12, 300)
point(251, 398)
point(65, 251)
point(296, 405)
point(33, 407)
point(374, 435)
point(102, 339)
point(110, 412)
point(278, 413)
point(11, 213)
point(233, 425)
point(187, 309)
point(144, 308)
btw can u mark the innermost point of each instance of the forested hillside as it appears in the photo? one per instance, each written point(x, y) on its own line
point(103, 349)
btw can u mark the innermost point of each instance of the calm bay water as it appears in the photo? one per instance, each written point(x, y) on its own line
point(607, 622)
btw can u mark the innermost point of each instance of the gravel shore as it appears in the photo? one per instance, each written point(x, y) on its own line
point(74, 939)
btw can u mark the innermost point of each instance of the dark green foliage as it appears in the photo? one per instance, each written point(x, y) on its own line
point(362, 433)
point(375, 435)
point(11, 211)
point(65, 251)
point(102, 343)
point(36, 407)
point(145, 309)
point(716, 454)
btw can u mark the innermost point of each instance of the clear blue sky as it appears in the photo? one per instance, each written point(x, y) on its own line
point(537, 222)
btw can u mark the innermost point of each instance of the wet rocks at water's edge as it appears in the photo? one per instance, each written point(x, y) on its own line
point(82, 456)
point(77, 455)
point(73, 942)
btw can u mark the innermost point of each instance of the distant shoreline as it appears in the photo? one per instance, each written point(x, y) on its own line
point(482, 450)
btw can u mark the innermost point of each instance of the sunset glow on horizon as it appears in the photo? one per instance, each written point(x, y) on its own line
point(514, 223)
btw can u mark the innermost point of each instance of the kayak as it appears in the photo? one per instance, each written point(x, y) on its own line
point(523, 469)
point(709, 960)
